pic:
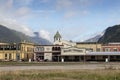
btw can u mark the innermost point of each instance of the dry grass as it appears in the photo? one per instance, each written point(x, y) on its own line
point(61, 75)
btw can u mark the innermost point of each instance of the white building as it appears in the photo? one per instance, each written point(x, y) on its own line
point(63, 50)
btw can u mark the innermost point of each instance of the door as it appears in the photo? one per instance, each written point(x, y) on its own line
point(17, 56)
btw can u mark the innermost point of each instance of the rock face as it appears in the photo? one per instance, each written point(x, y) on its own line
point(12, 36)
point(112, 34)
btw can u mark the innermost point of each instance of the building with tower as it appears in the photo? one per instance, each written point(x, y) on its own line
point(60, 51)
point(87, 51)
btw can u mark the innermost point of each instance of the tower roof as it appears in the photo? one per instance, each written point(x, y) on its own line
point(57, 35)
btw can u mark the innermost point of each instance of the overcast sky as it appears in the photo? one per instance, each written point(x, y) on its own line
point(74, 19)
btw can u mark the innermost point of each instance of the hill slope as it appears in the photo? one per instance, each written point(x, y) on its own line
point(112, 34)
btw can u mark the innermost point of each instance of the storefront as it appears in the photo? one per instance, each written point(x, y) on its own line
point(72, 54)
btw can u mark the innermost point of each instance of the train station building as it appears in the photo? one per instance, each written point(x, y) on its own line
point(65, 51)
point(60, 51)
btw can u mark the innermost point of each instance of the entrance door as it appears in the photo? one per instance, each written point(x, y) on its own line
point(40, 56)
point(17, 56)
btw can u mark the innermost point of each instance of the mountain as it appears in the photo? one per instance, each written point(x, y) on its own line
point(95, 38)
point(112, 34)
point(12, 36)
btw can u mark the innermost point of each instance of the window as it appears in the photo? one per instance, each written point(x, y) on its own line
point(21, 48)
point(1, 47)
point(115, 49)
point(98, 50)
point(10, 56)
point(107, 49)
point(41, 48)
point(37, 49)
point(90, 49)
point(5, 56)
point(5, 47)
point(14, 47)
point(28, 49)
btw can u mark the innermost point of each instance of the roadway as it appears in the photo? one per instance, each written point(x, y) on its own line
point(63, 67)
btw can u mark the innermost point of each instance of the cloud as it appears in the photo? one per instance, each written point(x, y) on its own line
point(6, 7)
point(6, 4)
point(44, 1)
point(23, 11)
point(72, 8)
point(9, 10)
point(73, 5)
point(23, 2)
point(69, 14)
point(44, 34)
point(63, 4)
point(9, 3)
point(85, 3)
point(13, 24)
point(9, 16)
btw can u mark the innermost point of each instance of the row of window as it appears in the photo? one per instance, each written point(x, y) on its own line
point(47, 49)
point(39, 49)
point(29, 49)
point(9, 47)
point(91, 49)
point(109, 49)
point(105, 49)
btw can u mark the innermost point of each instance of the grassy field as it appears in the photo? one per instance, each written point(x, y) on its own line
point(61, 75)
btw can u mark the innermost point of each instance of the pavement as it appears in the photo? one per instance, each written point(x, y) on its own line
point(62, 67)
